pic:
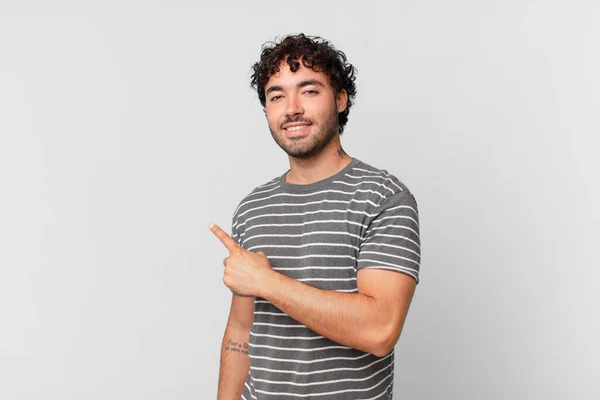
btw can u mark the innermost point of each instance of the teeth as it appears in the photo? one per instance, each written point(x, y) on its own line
point(296, 128)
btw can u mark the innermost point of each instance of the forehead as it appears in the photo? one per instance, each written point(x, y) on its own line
point(285, 77)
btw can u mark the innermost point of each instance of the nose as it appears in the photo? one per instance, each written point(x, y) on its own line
point(293, 107)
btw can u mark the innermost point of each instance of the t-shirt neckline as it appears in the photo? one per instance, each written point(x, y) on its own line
point(291, 187)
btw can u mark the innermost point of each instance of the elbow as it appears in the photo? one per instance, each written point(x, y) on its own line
point(383, 342)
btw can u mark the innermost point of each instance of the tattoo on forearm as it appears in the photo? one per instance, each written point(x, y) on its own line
point(236, 347)
point(341, 152)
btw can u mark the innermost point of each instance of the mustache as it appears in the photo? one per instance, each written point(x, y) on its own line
point(292, 120)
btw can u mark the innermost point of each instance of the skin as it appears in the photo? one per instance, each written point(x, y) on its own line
point(370, 320)
point(313, 152)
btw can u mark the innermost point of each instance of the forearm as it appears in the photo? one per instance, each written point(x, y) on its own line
point(352, 319)
point(234, 364)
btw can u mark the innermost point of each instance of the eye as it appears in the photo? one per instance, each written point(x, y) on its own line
point(274, 98)
point(311, 92)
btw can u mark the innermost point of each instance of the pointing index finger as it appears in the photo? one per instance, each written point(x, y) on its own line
point(223, 237)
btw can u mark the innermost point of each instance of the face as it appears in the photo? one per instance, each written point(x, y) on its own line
point(302, 110)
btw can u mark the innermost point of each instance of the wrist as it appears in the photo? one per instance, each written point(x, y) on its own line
point(267, 283)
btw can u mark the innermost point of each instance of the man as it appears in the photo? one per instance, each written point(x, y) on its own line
point(324, 259)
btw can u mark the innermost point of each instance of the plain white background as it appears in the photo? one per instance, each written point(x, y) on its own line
point(126, 127)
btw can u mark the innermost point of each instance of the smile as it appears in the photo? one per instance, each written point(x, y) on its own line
point(296, 128)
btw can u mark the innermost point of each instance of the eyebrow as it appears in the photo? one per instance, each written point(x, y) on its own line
point(301, 84)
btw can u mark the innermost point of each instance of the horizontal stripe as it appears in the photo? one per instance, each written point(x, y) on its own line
point(326, 221)
point(283, 246)
point(332, 381)
point(379, 262)
point(390, 255)
point(299, 326)
point(311, 256)
point(286, 337)
point(324, 393)
point(323, 371)
point(310, 194)
point(306, 268)
point(344, 211)
point(301, 349)
point(364, 182)
point(302, 235)
point(393, 246)
point(381, 175)
point(284, 360)
point(407, 271)
point(327, 279)
point(310, 203)
point(394, 217)
point(397, 237)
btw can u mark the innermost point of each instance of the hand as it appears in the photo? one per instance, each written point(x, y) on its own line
point(245, 272)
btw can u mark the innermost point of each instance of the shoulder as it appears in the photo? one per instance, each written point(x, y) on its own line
point(259, 193)
point(387, 185)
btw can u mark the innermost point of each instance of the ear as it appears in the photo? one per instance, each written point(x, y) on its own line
point(342, 100)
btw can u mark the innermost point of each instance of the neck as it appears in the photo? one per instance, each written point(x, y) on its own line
point(328, 162)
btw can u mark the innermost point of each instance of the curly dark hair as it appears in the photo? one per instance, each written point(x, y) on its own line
point(316, 53)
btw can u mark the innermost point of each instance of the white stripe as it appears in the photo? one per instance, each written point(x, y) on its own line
point(271, 182)
point(310, 194)
point(391, 245)
point(250, 390)
point(363, 176)
point(379, 396)
point(397, 269)
point(400, 237)
point(299, 349)
point(283, 246)
point(326, 221)
point(326, 393)
point(383, 175)
point(363, 182)
point(327, 279)
point(305, 268)
point(307, 204)
point(326, 382)
point(310, 256)
point(263, 191)
point(302, 235)
point(323, 370)
point(390, 255)
point(311, 361)
point(279, 325)
point(402, 206)
point(304, 213)
point(378, 262)
point(280, 314)
point(287, 337)
point(392, 226)
point(366, 170)
point(395, 216)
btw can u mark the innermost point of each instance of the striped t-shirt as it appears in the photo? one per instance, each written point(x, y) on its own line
point(322, 234)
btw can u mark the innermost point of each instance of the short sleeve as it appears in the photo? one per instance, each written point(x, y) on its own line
point(392, 238)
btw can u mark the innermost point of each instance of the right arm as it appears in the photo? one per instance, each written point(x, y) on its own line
point(235, 363)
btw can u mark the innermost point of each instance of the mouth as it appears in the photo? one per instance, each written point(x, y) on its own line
point(296, 129)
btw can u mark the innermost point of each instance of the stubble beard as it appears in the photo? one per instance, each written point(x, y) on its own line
point(304, 148)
